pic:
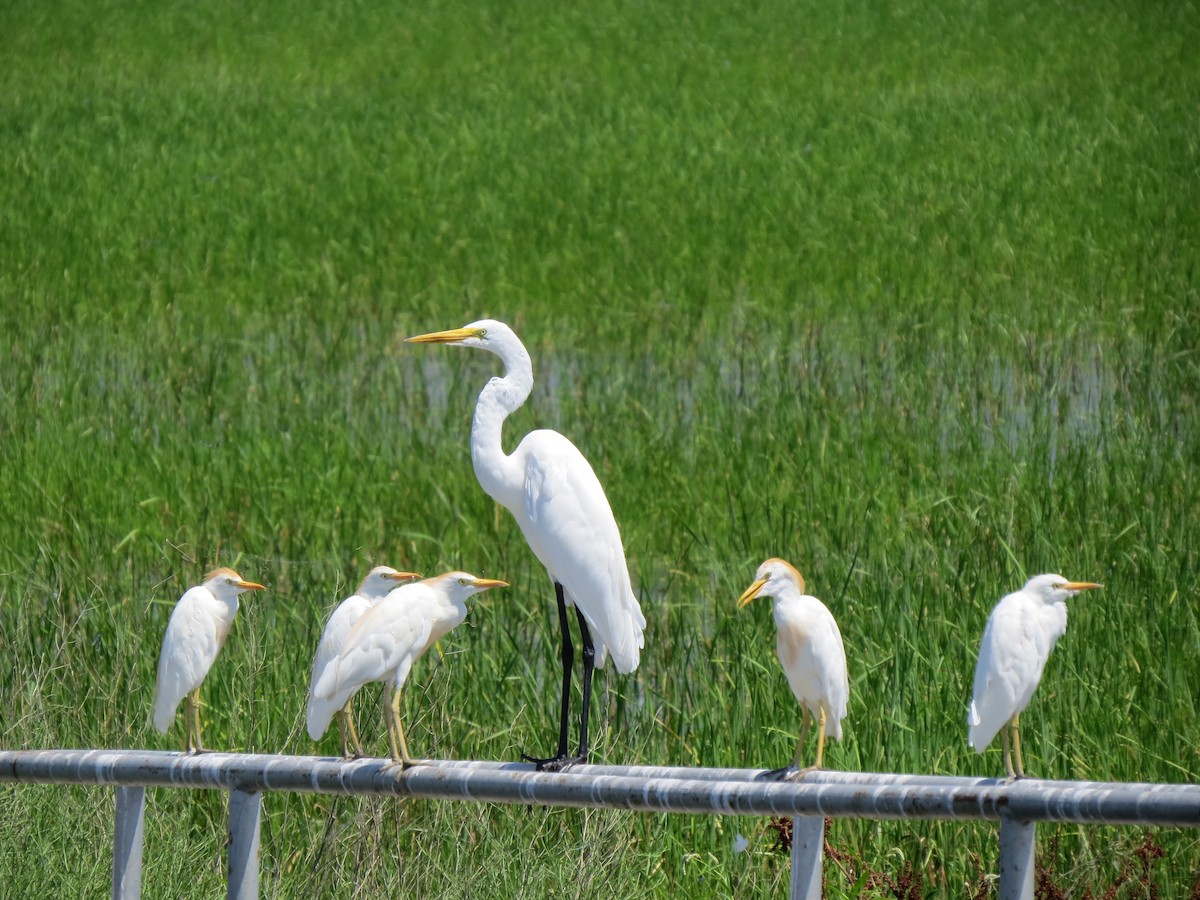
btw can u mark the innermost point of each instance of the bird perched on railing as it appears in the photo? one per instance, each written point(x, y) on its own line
point(379, 581)
point(1020, 633)
point(195, 634)
point(557, 500)
point(392, 635)
point(809, 646)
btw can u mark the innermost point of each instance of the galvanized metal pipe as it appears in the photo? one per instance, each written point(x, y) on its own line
point(818, 794)
point(1016, 859)
point(128, 831)
point(245, 814)
point(808, 839)
point(825, 776)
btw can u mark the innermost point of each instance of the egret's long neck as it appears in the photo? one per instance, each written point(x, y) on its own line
point(227, 607)
point(787, 592)
point(448, 617)
point(498, 474)
point(1055, 617)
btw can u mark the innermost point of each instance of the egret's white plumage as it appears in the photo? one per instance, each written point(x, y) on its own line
point(560, 506)
point(195, 634)
point(393, 634)
point(1020, 633)
point(810, 650)
point(379, 581)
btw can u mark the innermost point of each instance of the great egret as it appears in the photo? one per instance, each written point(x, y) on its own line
point(809, 646)
point(392, 635)
point(556, 498)
point(195, 634)
point(1018, 638)
point(374, 588)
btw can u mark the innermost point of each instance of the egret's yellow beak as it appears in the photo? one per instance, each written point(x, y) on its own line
point(751, 592)
point(489, 583)
point(251, 586)
point(1081, 585)
point(401, 576)
point(453, 336)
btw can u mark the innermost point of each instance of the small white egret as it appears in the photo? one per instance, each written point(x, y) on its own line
point(195, 634)
point(374, 588)
point(1018, 638)
point(392, 635)
point(557, 500)
point(809, 646)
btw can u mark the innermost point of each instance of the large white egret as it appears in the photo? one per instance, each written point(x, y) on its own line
point(374, 588)
point(809, 646)
point(557, 500)
point(392, 635)
point(195, 634)
point(1018, 638)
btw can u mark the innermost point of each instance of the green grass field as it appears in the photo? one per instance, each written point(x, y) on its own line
point(908, 294)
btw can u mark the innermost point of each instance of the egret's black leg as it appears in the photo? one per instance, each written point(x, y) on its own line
point(553, 763)
point(568, 663)
point(589, 663)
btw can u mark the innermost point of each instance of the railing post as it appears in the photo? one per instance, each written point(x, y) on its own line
point(1016, 859)
point(245, 813)
point(808, 837)
point(128, 831)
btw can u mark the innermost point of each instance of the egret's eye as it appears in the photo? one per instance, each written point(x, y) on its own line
point(463, 581)
point(483, 332)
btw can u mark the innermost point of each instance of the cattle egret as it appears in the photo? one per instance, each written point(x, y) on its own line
point(557, 500)
point(809, 646)
point(195, 634)
point(1018, 638)
point(392, 635)
point(374, 588)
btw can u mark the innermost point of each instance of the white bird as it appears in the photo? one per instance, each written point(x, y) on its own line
point(1018, 638)
point(809, 647)
point(392, 635)
point(557, 500)
point(195, 634)
point(374, 588)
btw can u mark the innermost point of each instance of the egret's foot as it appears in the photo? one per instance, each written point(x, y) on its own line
point(787, 773)
point(403, 765)
point(351, 757)
point(784, 774)
point(553, 763)
point(196, 751)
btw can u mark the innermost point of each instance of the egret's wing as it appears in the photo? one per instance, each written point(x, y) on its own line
point(411, 626)
point(1007, 667)
point(837, 679)
point(322, 710)
point(377, 645)
point(810, 650)
point(190, 645)
point(567, 520)
point(422, 640)
point(341, 621)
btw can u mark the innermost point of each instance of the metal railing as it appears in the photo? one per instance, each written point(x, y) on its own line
point(808, 801)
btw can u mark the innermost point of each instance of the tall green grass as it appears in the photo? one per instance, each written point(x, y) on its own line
point(907, 295)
